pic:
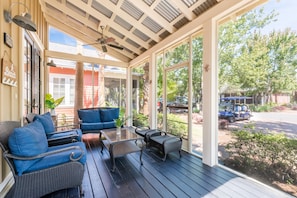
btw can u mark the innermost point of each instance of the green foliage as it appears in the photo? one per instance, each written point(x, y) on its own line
point(122, 118)
point(52, 103)
point(259, 64)
point(273, 155)
point(175, 125)
point(139, 119)
point(269, 107)
point(261, 108)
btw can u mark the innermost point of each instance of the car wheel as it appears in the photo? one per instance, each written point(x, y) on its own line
point(231, 119)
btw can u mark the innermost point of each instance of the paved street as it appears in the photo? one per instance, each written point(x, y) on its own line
point(279, 122)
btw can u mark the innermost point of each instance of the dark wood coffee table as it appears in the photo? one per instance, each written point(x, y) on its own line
point(121, 144)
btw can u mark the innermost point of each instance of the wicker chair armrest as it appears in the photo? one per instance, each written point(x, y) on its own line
point(60, 138)
point(71, 156)
point(65, 131)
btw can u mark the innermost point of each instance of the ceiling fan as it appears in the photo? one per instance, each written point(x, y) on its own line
point(105, 42)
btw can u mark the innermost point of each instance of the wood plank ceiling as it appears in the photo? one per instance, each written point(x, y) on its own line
point(134, 25)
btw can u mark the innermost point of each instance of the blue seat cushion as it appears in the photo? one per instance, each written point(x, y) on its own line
point(59, 158)
point(27, 141)
point(91, 126)
point(108, 125)
point(109, 114)
point(89, 116)
point(46, 121)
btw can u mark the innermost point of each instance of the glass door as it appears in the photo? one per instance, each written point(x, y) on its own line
point(176, 100)
point(31, 87)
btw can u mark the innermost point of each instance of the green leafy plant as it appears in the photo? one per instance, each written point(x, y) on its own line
point(271, 155)
point(140, 120)
point(52, 103)
point(120, 121)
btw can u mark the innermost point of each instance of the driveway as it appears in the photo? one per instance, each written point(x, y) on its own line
point(278, 122)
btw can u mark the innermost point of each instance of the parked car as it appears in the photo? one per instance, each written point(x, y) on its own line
point(232, 111)
point(179, 105)
point(160, 105)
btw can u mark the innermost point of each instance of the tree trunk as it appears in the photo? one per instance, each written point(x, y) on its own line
point(79, 89)
point(146, 87)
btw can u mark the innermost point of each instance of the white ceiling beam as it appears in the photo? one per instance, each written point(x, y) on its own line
point(183, 8)
point(116, 9)
point(86, 22)
point(154, 15)
point(218, 11)
point(197, 4)
point(77, 34)
point(79, 57)
point(111, 23)
point(62, 7)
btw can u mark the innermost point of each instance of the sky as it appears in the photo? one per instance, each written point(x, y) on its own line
point(287, 17)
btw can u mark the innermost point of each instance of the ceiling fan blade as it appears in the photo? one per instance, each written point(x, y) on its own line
point(109, 40)
point(115, 46)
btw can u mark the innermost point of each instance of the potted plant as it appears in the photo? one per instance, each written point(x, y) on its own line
point(51, 103)
point(120, 121)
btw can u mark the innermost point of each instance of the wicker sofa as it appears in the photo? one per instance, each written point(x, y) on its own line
point(38, 169)
point(92, 120)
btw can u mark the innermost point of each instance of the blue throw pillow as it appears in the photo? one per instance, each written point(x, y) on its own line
point(27, 141)
point(109, 114)
point(46, 121)
point(89, 115)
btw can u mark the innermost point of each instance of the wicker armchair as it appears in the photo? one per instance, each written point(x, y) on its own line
point(40, 182)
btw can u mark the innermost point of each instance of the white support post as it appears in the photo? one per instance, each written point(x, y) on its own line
point(210, 96)
point(129, 95)
point(152, 91)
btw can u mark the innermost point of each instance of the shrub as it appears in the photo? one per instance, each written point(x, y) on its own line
point(175, 125)
point(271, 155)
point(140, 120)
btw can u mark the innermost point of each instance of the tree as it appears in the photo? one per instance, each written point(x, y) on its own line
point(255, 62)
point(197, 49)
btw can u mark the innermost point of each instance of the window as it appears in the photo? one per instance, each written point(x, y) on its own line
point(63, 86)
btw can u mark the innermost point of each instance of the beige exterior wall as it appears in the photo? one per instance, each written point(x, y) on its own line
point(11, 97)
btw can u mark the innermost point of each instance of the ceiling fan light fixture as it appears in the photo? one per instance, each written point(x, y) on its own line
point(104, 48)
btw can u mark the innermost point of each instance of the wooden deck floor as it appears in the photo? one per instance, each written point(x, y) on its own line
point(185, 177)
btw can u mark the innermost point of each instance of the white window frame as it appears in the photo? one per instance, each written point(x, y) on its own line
point(67, 87)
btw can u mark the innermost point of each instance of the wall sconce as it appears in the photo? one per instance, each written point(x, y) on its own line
point(23, 20)
point(51, 64)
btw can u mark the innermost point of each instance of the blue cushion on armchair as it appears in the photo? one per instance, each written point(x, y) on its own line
point(89, 115)
point(47, 122)
point(60, 157)
point(27, 141)
point(109, 114)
